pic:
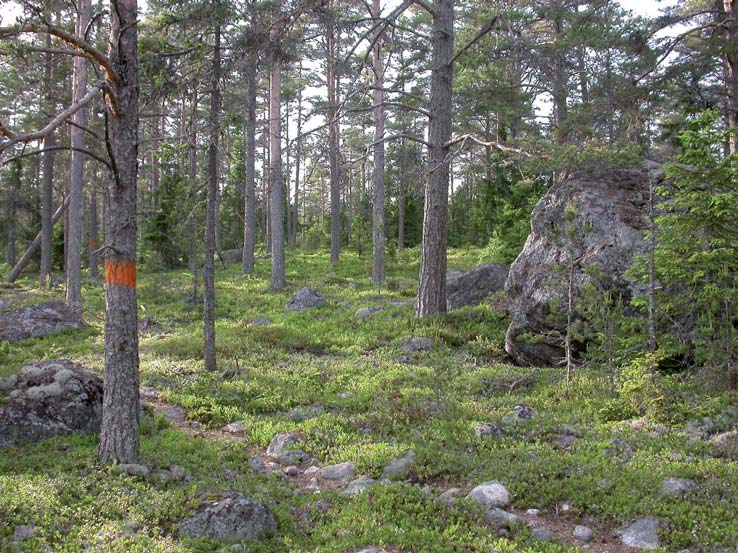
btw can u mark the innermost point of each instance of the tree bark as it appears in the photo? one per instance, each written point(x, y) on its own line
point(378, 245)
point(432, 285)
point(298, 160)
point(279, 281)
point(249, 227)
point(192, 189)
point(730, 71)
point(92, 246)
point(119, 432)
point(48, 175)
point(210, 216)
point(333, 153)
point(76, 181)
point(14, 187)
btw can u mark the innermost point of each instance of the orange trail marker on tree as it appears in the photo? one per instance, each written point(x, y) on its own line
point(120, 273)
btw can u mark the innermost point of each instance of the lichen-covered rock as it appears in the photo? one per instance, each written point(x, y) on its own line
point(417, 344)
point(341, 472)
point(50, 398)
point(643, 533)
point(491, 494)
point(37, 320)
point(470, 288)
point(234, 517)
point(612, 206)
point(282, 443)
point(400, 468)
point(304, 299)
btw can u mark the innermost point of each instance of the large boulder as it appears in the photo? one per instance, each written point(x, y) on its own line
point(231, 257)
point(609, 224)
point(233, 517)
point(470, 288)
point(37, 320)
point(47, 399)
point(304, 299)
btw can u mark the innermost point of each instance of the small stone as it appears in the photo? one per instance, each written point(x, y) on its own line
point(8, 383)
point(234, 427)
point(677, 487)
point(542, 534)
point(642, 533)
point(400, 468)
point(532, 512)
point(130, 528)
point(519, 413)
point(417, 344)
point(24, 532)
point(178, 473)
point(359, 485)
point(492, 493)
point(367, 311)
point(582, 534)
point(500, 518)
point(281, 443)
point(291, 470)
point(346, 395)
point(565, 507)
point(132, 469)
point(148, 393)
point(491, 430)
point(371, 549)
point(173, 413)
point(261, 321)
point(564, 441)
point(312, 470)
point(341, 472)
point(304, 299)
point(313, 485)
point(292, 457)
point(257, 464)
point(450, 495)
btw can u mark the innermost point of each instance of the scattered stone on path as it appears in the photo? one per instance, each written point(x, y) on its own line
point(500, 518)
point(542, 534)
point(363, 312)
point(470, 288)
point(492, 494)
point(582, 534)
point(50, 398)
point(359, 485)
point(532, 512)
point(400, 468)
point(304, 299)
point(341, 473)
point(642, 533)
point(24, 532)
point(417, 344)
point(291, 470)
point(677, 487)
point(37, 320)
point(281, 443)
point(234, 517)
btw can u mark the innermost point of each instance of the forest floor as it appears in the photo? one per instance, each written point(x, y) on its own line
point(345, 384)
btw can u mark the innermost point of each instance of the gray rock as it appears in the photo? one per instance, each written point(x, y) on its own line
point(281, 443)
point(582, 534)
point(40, 406)
point(234, 517)
point(133, 469)
point(492, 493)
point(37, 320)
point(564, 441)
point(5, 305)
point(148, 393)
point(470, 288)
point(172, 412)
point(450, 495)
point(257, 464)
point(371, 549)
point(304, 299)
point(291, 470)
point(367, 311)
point(612, 203)
point(400, 468)
point(532, 512)
point(359, 485)
point(24, 532)
point(341, 472)
point(642, 533)
point(500, 518)
point(258, 321)
point(231, 257)
point(677, 487)
point(417, 343)
point(291, 457)
point(491, 430)
point(519, 413)
point(236, 427)
point(542, 534)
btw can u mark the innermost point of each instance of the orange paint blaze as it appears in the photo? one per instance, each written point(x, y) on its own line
point(120, 273)
point(92, 243)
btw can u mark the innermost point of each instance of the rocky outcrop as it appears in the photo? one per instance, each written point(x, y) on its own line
point(470, 288)
point(234, 517)
point(231, 257)
point(37, 320)
point(607, 232)
point(304, 299)
point(47, 399)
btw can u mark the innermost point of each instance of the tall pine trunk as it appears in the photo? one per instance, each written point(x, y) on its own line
point(378, 175)
point(210, 207)
point(14, 185)
point(730, 71)
point(432, 285)
point(76, 182)
point(119, 432)
point(47, 185)
point(333, 139)
point(249, 226)
point(275, 153)
point(92, 246)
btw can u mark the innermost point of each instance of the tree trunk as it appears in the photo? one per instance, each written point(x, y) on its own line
point(192, 188)
point(298, 161)
point(333, 153)
point(119, 432)
point(378, 175)
point(432, 285)
point(13, 189)
point(730, 71)
point(48, 176)
point(93, 238)
point(249, 226)
point(401, 214)
point(275, 154)
point(210, 216)
point(76, 182)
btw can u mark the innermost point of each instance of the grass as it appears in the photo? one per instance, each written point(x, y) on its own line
point(369, 404)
